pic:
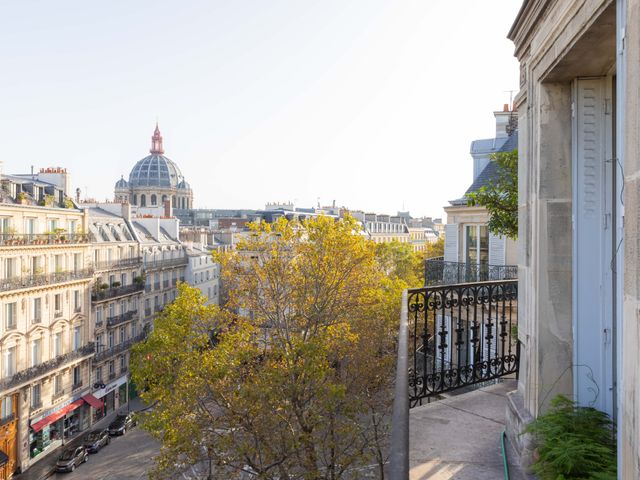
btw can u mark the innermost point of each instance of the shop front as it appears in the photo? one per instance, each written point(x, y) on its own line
point(109, 395)
point(8, 437)
point(57, 426)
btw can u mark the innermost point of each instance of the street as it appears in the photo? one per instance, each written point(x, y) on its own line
point(128, 457)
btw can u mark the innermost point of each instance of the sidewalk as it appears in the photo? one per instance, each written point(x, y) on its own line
point(46, 467)
point(458, 438)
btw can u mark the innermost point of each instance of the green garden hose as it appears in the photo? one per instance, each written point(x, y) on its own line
point(504, 455)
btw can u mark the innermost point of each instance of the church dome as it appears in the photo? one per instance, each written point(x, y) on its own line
point(155, 170)
point(122, 183)
point(184, 185)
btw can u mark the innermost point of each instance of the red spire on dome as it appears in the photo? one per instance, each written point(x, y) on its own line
point(156, 142)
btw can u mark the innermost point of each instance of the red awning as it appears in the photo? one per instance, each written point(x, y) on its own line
point(56, 415)
point(93, 401)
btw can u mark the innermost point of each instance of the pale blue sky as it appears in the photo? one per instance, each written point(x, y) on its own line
point(372, 103)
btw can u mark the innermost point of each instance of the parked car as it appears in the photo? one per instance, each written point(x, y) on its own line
point(96, 439)
point(71, 458)
point(121, 423)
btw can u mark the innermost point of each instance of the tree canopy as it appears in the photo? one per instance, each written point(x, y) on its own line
point(500, 197)
point(292, 379)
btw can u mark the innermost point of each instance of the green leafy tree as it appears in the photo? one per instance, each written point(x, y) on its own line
point(435, 249)
point(500, 197)
point(400, 261)
point(293, 378)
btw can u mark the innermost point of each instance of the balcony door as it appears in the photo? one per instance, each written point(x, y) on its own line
point(593, 238)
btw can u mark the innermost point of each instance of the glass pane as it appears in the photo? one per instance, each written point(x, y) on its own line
point(472, 244)
point(484, 245)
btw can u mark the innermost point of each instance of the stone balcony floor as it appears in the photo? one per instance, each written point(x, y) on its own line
point(458, 438)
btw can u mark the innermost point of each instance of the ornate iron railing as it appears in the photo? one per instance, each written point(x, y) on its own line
point(115, 292)
point(167, 262)
point(461, 335)
point(28, 281)
point(8, 239)
point(439, 272)
point(46, 367)
point(123, 317)
point(120, 263)
point(121, 347)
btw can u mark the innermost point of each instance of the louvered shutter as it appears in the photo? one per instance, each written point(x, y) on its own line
point(451, 242)
point(496, 249)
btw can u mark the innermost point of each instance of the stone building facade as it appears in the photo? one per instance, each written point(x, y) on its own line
point(46, 340)
point(579, 217)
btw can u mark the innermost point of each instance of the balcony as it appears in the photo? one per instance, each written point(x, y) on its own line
point(76, 386)
point(454, 339)
point(147, 312)
point(30, 281)
point(120, 263)
point(17, 239)
point(57, 395)
point(439, 272)
point(165, 284)
point(121, 347)
point(123, 317)
point(115, 292)
point(165, 263)
point(44, 368)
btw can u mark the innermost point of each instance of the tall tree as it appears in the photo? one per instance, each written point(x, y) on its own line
point(296, 383)
point(500, 197)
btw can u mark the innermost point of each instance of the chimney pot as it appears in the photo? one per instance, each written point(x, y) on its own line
point(505, 108)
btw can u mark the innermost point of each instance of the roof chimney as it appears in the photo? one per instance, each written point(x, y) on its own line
point(505, 108)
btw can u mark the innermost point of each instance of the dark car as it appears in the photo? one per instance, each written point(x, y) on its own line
point(96, 439)
point(71, 458)
point(122, 422)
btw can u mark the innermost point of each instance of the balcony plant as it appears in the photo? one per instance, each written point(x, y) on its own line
point(574, 443)
point(21, 198)
point(115, 284)
point(68, 203)
point(139, 280)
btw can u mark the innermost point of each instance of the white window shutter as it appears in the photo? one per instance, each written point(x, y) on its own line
point(451, 242)
point(496, 249)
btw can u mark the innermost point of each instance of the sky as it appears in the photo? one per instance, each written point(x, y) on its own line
point(371, 103)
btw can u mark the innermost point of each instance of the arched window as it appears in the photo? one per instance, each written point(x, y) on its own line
point(135, 199)
point(153, 199)
point(164, 199)
point(143, 200)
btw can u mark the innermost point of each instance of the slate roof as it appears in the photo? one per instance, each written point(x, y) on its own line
point(490, 172)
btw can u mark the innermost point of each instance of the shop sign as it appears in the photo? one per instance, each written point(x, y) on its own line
point(109, 388)
point(57, 407)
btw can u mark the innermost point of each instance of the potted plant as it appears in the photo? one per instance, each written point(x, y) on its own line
point(115, 284)
point(21, 198)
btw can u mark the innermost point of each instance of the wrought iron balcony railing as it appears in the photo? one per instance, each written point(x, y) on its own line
point(164, 263)
point(450, 337)
point(121, 347)
point(120, 263)
point(29, 281)
point(8, 239)
point(44, 368)
point(123, 317)
point(439, 272)
point(114, 292)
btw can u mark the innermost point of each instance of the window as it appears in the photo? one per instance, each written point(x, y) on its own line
point(123, 307)
point(9, 267)
point(52, 225)
point(36, 352)
point(111, 338)
point(77, 338)
point(57, 384)
point(77, 261)
point(58, 262)
point(112, 309)
point(10, 311)
point(99, 375)
point(98, 314)
point(57, 344)
point(30, 226)
point(5, 225)
point(143, 200)
point(36, 402)
point(122, 334)
point(7, 408)
point(134, 329)
point(36, 310)
point(77, 376)
point(112, 369)
point(72, 226)
point(57, 304)
point(153, 200)
point(122, 363)
point(476, 244)
point(77, 301)
point(9, 361)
